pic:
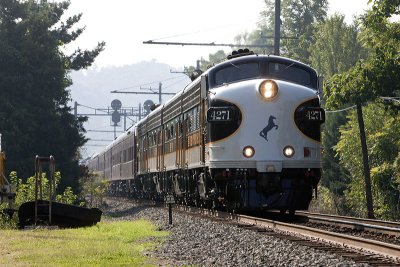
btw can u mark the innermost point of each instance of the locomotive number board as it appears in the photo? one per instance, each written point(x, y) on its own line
point(219, 114)
point(315, 114)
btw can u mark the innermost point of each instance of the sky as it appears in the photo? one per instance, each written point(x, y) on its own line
point(125, 24)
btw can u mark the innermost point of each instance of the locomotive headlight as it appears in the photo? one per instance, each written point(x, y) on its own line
point(288, 151)
point(268, 89)
point(248, 151)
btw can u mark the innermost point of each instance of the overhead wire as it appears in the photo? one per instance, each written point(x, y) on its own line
point(149, 83)
point(169, 85)
point(339, 110)
point(395, 99)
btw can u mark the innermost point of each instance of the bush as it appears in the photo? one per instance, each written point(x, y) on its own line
point(93, 189)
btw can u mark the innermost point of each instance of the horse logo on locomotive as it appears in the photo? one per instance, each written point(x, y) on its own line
point(271, 124)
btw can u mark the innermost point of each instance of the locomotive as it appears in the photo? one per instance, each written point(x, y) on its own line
point(243, 135)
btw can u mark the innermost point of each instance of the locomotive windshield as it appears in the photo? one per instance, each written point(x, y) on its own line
point(235, 73)
point(289, 73)
point(263, 67)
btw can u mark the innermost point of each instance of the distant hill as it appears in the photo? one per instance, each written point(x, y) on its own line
point(91, 88)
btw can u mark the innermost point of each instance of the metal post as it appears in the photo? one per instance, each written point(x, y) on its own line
point(124, 120)
point(159, 93)
point(76, 109)
point(2, 157)
point(52, 182)
point(277, 34)
point(140, 111)
point(36, 187)
point(170, 213)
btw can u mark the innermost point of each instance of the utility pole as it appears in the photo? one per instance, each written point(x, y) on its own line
point(159, 92)
point(76, 110)
point(277, 34)
point(367, 176)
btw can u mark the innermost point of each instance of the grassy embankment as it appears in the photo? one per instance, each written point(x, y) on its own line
point(105, 244)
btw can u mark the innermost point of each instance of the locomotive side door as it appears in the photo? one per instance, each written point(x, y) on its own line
point(160, 149)
point(183, 143)
point(135, 157)
point(180, 141)
point(203, 119)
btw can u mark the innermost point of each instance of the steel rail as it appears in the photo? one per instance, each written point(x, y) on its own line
point(348, 241)
point(372, 246)
point(394, 231)
point(351, 219)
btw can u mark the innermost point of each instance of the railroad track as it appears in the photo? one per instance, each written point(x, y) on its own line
point(377, 226)
point(362, 250)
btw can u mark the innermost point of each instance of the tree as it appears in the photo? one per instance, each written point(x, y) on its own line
point(377, 76)
point(300, 18)
point(383, 149)
point(336, 47)
point(35, 118)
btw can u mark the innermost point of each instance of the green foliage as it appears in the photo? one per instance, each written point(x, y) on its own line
point(93, 189)
point(300, 18)
point(334, 176)
point(336, 47)
point(25, 191)
point(379, 75)
point(369, 79)
point(383, 148)
point(67, 197)
point(35, 118)
point(325, 203)
point(5, 221)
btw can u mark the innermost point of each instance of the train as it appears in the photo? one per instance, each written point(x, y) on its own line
point(243, 135)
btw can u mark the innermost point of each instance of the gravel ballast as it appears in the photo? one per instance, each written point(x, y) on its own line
point(202, 242)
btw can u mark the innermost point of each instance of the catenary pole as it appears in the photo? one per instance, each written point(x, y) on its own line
point(277, 33)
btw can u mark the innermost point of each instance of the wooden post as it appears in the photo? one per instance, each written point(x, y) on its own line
point(170, 213)
point(367, 177)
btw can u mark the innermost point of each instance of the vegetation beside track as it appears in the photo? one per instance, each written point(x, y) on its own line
point(105, 244)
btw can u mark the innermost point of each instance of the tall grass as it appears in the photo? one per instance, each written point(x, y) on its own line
point(106, 244)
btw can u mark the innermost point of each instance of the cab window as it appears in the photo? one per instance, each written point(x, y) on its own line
point(233, 73)
point(289, 72)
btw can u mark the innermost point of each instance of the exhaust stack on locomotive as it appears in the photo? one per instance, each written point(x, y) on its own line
point(243, 135)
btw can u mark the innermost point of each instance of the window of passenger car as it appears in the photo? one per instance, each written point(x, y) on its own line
point(237, 72)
